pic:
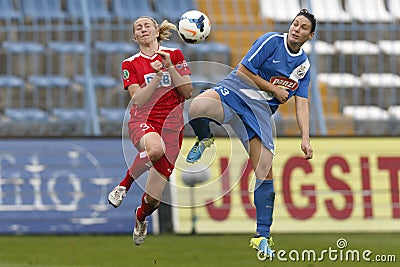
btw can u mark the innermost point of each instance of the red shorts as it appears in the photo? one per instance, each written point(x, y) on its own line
point(172, 141)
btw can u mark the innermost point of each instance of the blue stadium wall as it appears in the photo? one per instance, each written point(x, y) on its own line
point(50, 186)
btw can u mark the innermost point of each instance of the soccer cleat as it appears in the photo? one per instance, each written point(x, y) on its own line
point(139, 231)
point(116, 195)
point(264, 245)
point(197, 150)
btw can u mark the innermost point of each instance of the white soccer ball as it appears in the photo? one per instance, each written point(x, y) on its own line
point(194, 26)
point(195, 174)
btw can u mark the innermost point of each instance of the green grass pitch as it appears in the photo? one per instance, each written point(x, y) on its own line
point(183, 250)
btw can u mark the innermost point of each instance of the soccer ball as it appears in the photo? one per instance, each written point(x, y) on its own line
point(194, 26)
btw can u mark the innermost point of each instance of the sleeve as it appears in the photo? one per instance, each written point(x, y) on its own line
point(261, 49)
point(129, 74)
point(180, 63)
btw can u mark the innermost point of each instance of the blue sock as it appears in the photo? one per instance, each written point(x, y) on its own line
point(201, 127)
point(264, 196)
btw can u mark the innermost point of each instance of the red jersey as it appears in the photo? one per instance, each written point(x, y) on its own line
point(166, 102)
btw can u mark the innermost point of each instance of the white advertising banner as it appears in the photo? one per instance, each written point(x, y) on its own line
point(351, 185)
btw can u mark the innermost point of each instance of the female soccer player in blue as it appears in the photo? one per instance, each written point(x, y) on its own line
point(274, 69)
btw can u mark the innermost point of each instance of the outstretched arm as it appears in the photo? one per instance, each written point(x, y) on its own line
point(303, 121)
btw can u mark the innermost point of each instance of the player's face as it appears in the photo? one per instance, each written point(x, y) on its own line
point(300, 31)
point(145, 31)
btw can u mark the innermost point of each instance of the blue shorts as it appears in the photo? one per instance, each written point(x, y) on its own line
point(247, 115)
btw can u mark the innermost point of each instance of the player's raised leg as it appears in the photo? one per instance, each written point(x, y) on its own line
point(205, 108)
point(138, 167)
point(200, 145)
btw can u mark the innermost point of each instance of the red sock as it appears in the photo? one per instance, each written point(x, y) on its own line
point(138, 167)
point(145, 209)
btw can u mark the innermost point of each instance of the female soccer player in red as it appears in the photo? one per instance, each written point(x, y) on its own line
point(158, 80)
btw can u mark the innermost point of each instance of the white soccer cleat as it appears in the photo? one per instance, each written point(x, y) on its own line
point(140, 231)
point(116, 195)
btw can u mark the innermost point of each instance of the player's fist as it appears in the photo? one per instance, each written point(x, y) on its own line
point(166, 58)
point(281, 94)
point(156, 66)
point(307, 149)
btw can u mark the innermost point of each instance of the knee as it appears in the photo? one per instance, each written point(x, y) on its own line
point(155, 153)
point(152, 201)
point(200, 107)
point(269, 175)
point(263, 172)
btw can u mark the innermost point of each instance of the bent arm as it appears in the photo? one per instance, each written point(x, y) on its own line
point(141, 95)
point(261, 84)
point(183, 83)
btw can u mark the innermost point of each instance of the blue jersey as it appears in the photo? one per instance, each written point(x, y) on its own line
point(270, 58)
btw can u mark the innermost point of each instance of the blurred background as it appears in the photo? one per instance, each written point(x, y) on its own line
point(62, 108)
point(62, 74)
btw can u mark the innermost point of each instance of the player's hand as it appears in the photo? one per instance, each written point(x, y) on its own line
point(157, 66)
point(307, 149)
point(166, 58)
point(280, 94)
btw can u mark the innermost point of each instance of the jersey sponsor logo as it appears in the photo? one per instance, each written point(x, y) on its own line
point(275, 61)
point(284, 82)
point(165, 81)
point(125, 74)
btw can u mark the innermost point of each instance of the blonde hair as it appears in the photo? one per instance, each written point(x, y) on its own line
point(164, 29)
